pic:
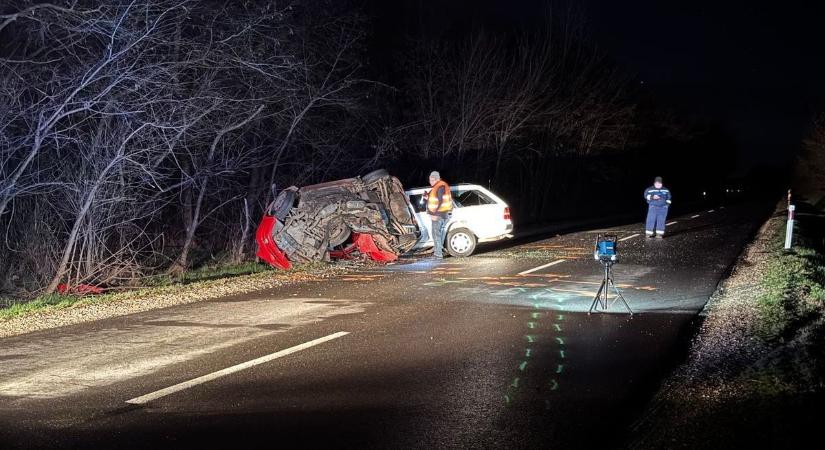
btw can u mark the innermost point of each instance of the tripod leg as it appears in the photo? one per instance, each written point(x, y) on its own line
point(621, 297)
point(598, 297)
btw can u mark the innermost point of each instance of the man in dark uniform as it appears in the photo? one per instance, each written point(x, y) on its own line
point(658, 201)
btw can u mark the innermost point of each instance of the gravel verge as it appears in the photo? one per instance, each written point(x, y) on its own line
point(94, 308)
point(736, 389)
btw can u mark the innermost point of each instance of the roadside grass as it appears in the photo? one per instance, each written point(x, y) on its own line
point(794, 283)
point(50, 301)
point(156, 284)
point(207, 272)
point(756, 370)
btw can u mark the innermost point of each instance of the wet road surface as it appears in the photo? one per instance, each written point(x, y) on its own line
point(495, 350)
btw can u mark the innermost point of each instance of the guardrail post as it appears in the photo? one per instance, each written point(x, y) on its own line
point(789, 227)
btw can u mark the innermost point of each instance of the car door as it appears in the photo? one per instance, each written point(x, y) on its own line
point(418, 202)
point(478, 211)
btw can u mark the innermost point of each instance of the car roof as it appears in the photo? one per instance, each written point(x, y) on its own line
point(463, 186)
point(452, 186)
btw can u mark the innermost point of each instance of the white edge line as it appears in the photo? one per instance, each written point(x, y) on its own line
point(693, 217)
point(671, 223)
point(143, 399)
point(542, 267)
point(628, 237)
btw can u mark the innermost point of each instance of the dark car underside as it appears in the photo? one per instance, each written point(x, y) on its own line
point(370, 215)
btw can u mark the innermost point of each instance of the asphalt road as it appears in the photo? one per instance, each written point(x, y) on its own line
point(485, 352)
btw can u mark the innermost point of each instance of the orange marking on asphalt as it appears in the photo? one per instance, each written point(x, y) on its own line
point(543, 246)
point(547, 275)
point(574, 291)
point(362, 277)
point(644, 288)
point(552, 280)
point(514, 284)
point(488, 278)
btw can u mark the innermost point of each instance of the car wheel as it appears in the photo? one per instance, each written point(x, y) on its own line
point(461, 242)
point(338, 234)
point(374, 176)
point(283, 203)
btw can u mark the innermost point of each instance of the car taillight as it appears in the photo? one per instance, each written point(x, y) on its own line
point(507, 213)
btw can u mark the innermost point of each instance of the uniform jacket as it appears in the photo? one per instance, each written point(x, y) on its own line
point(663, 193)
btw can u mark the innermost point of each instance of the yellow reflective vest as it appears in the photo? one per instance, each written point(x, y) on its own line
point(445, 205)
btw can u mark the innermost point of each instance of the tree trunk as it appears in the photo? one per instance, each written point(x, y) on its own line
point(12, 182)
point(84, 209)
point(78, 222)
point(182, 261)
point(251, 193)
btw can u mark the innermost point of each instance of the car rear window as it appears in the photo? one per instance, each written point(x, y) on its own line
point(471, 198)
point(461, 198)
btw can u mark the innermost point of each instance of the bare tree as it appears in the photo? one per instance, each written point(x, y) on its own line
point(200, 184)
point(145, 135)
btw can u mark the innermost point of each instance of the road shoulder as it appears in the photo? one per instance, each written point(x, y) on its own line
point(94, 308)
point(747, 382)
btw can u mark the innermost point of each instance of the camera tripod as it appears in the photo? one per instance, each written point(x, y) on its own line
point(600, 302)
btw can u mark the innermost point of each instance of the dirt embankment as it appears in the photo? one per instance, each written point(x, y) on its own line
point(754, 374)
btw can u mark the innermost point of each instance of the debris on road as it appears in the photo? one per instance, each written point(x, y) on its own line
point(79, 289)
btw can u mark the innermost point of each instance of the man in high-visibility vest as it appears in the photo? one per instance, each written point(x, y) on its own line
point(439, 207)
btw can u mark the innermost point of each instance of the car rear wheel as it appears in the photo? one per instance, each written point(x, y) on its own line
point(375, 175)
point(283, 203)
point(461, 242)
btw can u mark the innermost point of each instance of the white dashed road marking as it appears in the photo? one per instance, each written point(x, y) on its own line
point(693, 217)
point(671, 223)
point(558, 261)
point(628, 237)
point(230, 370)
point(711, 210)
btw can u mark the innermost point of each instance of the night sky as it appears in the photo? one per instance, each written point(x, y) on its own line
point(755, 67)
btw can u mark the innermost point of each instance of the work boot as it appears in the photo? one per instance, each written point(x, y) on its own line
point(660, 236)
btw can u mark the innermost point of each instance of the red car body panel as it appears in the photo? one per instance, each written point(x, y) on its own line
point(267, 250)
point(366, 245)
point(345, 253)
point(80, 289)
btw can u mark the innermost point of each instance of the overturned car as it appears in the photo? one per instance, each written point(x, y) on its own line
point(370, 215)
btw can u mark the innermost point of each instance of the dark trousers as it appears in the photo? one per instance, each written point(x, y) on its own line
point(438, 229)
point(656, 218)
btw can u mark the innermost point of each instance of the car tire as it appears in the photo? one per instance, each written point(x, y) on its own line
point(283, 204)
point(338, 234)
point(461, 242)
point(374, 176)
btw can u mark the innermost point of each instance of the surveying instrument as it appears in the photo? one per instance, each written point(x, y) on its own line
point(605, 253)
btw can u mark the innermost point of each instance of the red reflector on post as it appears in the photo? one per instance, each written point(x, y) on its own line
point(506, 213)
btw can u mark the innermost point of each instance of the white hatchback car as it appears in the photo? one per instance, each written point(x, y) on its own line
point(478, 216)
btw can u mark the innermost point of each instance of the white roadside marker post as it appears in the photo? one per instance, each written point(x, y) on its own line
point(789, 228)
